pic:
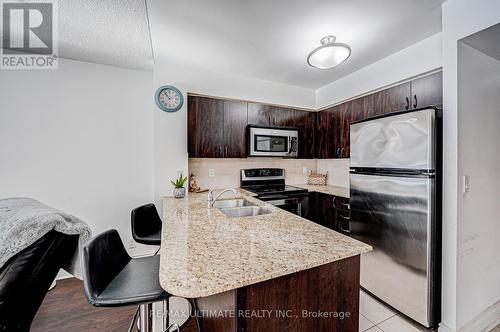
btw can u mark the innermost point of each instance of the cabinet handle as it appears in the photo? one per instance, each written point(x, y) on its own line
point(270, 120)
point(407, 107)
point(225, 151)
point(333, 203)
point(220, 151)
point(415, 103)
point(338, 152)
point(347, 205)
point(342, 152)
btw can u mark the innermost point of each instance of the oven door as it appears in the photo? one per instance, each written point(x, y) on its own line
point(295, 205)
point(272, 142)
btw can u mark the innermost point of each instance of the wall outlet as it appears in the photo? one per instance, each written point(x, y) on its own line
point(211, 172)
point(305, 170)
point(465, 184)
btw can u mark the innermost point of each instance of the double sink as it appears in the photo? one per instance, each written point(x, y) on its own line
point(239, 207)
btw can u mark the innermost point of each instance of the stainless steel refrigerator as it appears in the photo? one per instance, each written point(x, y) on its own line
point(395, 190)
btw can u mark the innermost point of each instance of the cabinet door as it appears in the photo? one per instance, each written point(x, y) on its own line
point(391, 100)
point(342, 215)
point(343, 130)
point(327, 211)
point(305, 122)
point(325, 129)
point(362, 108)
point(427, 91)
point(259, 114)
point(205, 127)
point(235, 124)
point(268, 115)
point(282, 116)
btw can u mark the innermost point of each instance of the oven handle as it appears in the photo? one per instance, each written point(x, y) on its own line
point(273, 197)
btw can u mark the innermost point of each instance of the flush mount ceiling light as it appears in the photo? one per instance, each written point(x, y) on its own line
point(329, 54)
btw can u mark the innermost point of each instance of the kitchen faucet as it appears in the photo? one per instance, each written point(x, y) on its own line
point(211, 199)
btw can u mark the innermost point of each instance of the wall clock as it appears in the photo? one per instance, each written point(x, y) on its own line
point(169, 98)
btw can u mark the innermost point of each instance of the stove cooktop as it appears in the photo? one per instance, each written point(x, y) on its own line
point(274, 189)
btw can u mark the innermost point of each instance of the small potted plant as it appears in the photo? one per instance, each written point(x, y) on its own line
point(179, 190)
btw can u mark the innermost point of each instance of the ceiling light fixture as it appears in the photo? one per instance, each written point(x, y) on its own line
point(329, 54)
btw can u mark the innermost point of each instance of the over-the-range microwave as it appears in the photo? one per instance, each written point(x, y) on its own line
point(272, 142)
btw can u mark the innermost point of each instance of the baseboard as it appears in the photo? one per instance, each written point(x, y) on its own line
point(484, 322)
point(444, 328)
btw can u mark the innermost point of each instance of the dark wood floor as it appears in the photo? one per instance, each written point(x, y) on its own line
point(65, 308)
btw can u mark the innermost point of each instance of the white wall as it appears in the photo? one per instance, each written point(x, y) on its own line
point(478, 280)
point(80, 139)
point(460, 19)
point(414, 60)
point(171, 128)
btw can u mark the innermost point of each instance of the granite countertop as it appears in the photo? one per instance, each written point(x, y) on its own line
point(204, 252)
point(330, 190)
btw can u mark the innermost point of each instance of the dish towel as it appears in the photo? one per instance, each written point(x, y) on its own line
point(23, 221)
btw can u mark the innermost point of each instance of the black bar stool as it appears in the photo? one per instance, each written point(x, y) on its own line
point(146, 229)
point(112, 278)
point(146, 225)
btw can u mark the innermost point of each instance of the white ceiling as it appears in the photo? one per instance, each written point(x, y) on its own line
point(105, 31)
point(270, 39)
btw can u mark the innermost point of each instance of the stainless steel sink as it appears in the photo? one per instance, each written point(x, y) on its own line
point(244, 211)
point(232, 203)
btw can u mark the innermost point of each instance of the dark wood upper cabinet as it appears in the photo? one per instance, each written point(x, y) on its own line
point(305, 122)
point(235, 124)
point(391, 100)
point(269, 115)
point(217, 128)
point(325, 129)
point(205, 127)
point(259, 114)
point(333, 124)
point(427, 91)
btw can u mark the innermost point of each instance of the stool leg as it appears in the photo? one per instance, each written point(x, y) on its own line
point(130, 328)
point(195, 310)
point(166, 317)
point(146, 324)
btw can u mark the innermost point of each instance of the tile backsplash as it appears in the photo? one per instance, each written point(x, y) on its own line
point(338, 171)
point(226, 171)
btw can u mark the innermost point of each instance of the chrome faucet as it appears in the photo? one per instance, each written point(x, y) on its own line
point(211, 199)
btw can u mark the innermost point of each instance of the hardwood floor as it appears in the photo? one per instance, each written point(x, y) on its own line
point(65, 308)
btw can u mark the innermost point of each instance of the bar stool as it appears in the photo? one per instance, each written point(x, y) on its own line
point(146, 229)
point(146, 225)
point(112, 278)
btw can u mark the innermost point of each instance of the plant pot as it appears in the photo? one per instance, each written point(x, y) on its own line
point(179, 192)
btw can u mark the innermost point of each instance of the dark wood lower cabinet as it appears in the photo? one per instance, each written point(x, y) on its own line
point(324, 298)
point(330, 211)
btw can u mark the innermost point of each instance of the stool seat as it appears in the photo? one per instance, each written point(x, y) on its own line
point(136, 283)
point(153, 238)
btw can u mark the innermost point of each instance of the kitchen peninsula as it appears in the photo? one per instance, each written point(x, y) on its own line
point(269, 272)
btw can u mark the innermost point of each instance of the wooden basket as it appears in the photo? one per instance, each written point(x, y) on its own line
point(317, 179)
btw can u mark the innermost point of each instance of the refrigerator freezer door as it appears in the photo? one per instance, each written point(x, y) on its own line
point(404, 141)
point(395, 216)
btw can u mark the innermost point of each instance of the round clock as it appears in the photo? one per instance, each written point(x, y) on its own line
point(169, 98)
